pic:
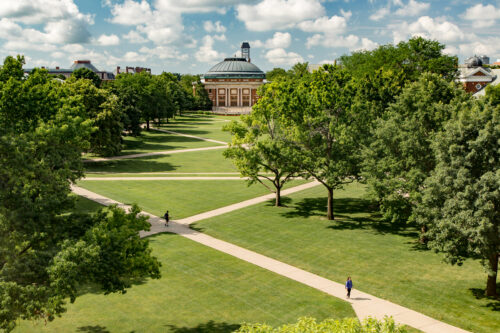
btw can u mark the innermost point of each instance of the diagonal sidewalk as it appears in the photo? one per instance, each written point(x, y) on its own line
point(364, 305)
point(189, 136)
point(165, 152)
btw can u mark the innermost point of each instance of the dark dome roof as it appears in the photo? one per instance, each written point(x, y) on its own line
point(235, 68)
point(474, 62)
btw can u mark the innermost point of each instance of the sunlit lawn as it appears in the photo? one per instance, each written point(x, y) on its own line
point(201, 290)
point(198, 161)
point(182, 198)
point(206, 126)
point(383, 259)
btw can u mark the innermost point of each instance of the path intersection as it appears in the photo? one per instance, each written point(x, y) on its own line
point(364, 305)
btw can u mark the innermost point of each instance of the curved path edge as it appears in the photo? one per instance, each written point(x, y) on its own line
point(364, 305)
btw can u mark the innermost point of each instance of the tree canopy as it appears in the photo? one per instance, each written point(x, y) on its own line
point(85, 73)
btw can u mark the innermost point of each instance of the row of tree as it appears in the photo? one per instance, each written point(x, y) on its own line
point(395, 119)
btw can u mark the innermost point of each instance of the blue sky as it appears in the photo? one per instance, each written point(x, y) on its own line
point(190, 36)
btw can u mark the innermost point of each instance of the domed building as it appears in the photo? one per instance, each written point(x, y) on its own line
point(232, 84)
point(474, 76)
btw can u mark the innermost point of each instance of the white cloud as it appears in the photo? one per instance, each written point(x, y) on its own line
point(162, 52)
point(333, 25)
point(279, 40)
point(134, 37)
point(220, 37)
point(278, 14)
point(352, 42)
point(107, 40)
point(131, 13)
point(281, 57)
point(482, 16)
point(430, 28)
point(61, 20)
point(380, 14)
point(217, 27)
point(206, 53)
point(413, 8)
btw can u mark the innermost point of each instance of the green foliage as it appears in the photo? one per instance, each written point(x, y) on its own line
point(493, 94)
point(275, 74)
point(400, 157)
point(102, 108)
point(460, 203)
point(309, 325)
point(324, 129)
point(299, 70)
point(43, 132)
point(258, 146)
point(414, 57)
point(85, 73)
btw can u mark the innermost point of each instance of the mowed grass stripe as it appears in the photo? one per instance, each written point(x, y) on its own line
point(200, 287)
point(383, 259)
point(182, 198)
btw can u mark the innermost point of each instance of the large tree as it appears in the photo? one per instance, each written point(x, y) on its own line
point(460, 205)
point(324, 129)
point(400, 157)
point(46, 253)
point(258, 148)
point(85, 73)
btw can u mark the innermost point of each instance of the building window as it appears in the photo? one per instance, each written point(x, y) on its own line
point(222, 91)
point(234, 91)
point(478, 86)
point(234, 100)
point(246, 100)
point(209, 91)
point(246, 91)
point(222, 100)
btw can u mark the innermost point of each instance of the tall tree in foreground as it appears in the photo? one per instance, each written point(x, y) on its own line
point(258, 147)
point(460, 205)
point(324, 129)
point(400, 157)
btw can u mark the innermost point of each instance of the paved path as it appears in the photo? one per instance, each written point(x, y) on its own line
point(363, 304)
point(189, 136)
point(165, 152)
point(171, 178)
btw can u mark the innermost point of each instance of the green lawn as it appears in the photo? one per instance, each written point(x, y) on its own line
point(182, 198)
point(382, 259)
point(198, 161)
point(201, 290)
point(159, 141)
point(206, 126)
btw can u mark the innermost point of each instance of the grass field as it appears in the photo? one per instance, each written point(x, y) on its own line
point(182, 198)
point(159, 141)
point(382, 259)
point(206, 126)
point(201, 290)
point(198, 161)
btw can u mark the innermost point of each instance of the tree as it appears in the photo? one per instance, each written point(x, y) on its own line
point(47, 254)
point(258, 148)
point(85, 73)
point(276, 73)
point(299, 70)
point(12, 68)
point(493, 95)
point(101, 106)
point(460, 204)
point(400, 157)
point(323, 128)
point(414, 57)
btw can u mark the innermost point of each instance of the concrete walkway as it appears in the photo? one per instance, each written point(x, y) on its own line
point(171, 178)
point(189, 136)
point(363, 304)
point(155, 153)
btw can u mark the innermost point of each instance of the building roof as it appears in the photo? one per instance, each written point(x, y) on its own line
point(496, 80)
point(235, 68)
point(83, 64)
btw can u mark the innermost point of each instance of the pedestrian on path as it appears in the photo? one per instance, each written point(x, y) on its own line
point(348, 286)
point(166, 218)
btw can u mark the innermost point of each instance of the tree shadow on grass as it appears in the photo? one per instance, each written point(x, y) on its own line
point(133, 165)
point(93, 329)
point(350, 214)
point(156, 141)
point(208, 327)
point(493, 304)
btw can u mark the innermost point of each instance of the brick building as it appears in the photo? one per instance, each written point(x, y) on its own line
point(232, 84)
point(474, 76)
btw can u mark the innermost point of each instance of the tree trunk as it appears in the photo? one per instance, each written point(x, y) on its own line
point(329, 212)
point(147, 124)
point(491, 284)
point(278, 196)
point(423, 239)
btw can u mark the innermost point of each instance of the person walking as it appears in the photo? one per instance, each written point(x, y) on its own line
point(166, 218)
point(348, 286)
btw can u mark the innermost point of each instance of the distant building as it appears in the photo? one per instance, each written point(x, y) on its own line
point(474, 76)
point(132, 70)
point(232, 84)
point(77, 64)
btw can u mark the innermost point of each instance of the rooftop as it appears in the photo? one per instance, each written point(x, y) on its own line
point(235, 68)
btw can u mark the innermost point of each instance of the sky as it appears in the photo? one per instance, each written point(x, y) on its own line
point(190, 36)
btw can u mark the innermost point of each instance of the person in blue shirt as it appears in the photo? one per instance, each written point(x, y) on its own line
point(348, 286)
